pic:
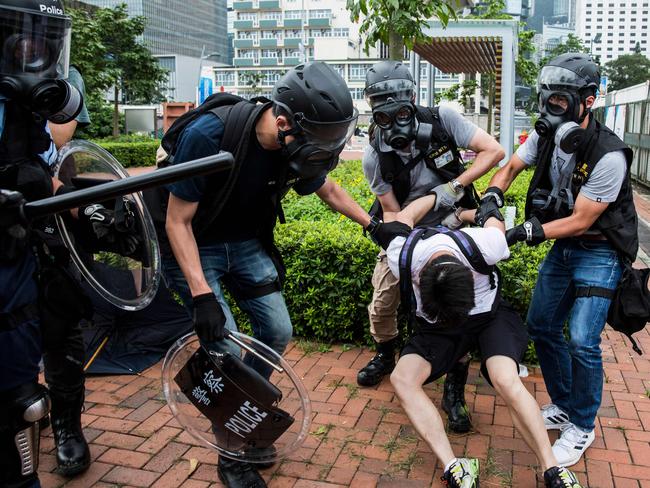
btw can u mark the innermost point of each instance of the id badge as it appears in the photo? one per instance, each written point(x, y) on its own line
point(444, 159)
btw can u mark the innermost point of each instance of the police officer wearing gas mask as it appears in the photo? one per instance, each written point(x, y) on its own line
point(581, 196)
point(34, 287)
point(291, 142)
point(414, 151)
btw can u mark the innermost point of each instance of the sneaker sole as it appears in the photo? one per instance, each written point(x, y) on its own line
point(573, 461)
point(556, 426)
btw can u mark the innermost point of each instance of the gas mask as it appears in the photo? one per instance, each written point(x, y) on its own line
point(305, 160)
point(35, 50)
point(563, 124)
point(399, 126)
point(316, 146)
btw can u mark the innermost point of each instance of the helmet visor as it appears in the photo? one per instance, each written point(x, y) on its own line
point(34, 44)
point(329, 136)
point(558, 78)
point(389, 91)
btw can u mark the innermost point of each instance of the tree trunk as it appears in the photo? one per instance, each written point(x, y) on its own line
point(116, 112)
point(395, 46)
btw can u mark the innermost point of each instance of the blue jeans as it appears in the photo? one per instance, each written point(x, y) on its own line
point(249, 265)
point(573, 371)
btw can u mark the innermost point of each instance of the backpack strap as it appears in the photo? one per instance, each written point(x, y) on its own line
point(238, 121)
point(407, 295)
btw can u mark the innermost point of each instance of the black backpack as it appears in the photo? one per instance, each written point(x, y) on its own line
point(629, 311)
point(465, 243)
point(238, 115)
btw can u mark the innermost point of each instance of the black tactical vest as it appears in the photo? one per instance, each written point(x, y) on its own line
point(21, 167)
point(618, 223)
point(397, 174)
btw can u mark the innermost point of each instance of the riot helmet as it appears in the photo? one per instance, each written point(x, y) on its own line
point(319, 107)
point(563, 86)
point(35, 44)
point(390, 91)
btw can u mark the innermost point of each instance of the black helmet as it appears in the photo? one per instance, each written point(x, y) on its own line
point(319, 103)
point(574, 72)
point(389, 81)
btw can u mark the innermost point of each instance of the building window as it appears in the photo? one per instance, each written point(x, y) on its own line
point(271, 34)
point(356, 93)
point(248, 53)
point(340, 32)
point(320, 33)
point(320, 14)
point(271, 16)
point(242, 34)
point(358, 71)
point(246, 16)
point(292, 53)
point(225, 78)
point(293, 14)
point(271, 53)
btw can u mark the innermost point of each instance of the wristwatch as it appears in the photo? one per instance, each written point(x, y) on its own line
point(372, 226)
point(456, 185)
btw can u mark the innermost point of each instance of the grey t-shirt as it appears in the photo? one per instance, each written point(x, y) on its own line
point(422, 178)
point(605, 181)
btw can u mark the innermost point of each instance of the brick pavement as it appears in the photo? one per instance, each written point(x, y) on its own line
point(359, 437)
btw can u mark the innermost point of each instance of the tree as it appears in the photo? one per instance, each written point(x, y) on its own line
point(573, 44)
point(107, 50)
point(627, 70)
point(397, 23)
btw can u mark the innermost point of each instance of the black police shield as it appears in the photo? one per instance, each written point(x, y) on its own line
point(125, 270)
point(238, 401)
point(218, 396)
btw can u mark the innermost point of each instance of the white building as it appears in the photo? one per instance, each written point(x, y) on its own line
point(271, 36)
point(621, 24)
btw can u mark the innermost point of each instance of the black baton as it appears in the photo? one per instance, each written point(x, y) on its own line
point(105, 191)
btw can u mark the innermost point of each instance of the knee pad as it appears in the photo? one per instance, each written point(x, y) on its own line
point(20, 412)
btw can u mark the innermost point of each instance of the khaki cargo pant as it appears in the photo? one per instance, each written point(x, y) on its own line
point(382, 311)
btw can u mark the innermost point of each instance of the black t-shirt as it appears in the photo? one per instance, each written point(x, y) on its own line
point(249, 208)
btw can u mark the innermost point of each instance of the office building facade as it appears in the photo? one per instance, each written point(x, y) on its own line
point(180, 33)
point(622, 25)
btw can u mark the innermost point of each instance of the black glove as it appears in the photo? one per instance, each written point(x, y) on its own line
point(122, 239)
point(489, 206)
point(531, 232)
point(208, 318)
point(384, 232)
point(14, 228)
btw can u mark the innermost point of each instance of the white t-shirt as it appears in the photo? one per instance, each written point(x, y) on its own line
point(490, 241)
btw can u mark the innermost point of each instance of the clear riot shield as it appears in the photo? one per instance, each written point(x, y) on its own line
point(128, 282)
point(219, 397)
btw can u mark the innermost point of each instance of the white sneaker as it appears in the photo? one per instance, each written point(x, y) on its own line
point(571, 445)
point(554, 417)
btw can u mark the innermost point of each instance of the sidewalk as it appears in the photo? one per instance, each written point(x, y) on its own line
point(359, 437)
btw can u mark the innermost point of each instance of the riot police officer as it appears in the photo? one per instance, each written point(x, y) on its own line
point(581, 196)
point(35, 289)
point(414, 151)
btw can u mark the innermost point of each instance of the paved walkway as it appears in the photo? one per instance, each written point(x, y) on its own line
point(361, 437)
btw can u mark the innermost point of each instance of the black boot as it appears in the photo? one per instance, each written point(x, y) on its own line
point(236, 474)
point(453, 400)
point(379, 366)
point(72, 453)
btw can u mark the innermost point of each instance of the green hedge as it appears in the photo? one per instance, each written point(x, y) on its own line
point(330, 263)
point(130, 154)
